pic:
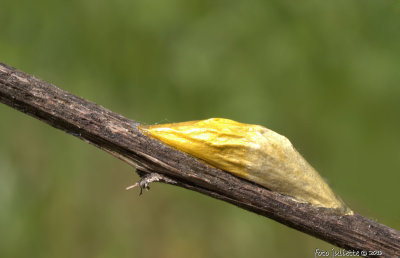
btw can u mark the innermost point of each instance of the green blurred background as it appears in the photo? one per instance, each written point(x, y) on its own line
point(324, 73)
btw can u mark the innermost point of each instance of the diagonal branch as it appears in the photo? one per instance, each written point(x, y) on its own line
point(121, 137)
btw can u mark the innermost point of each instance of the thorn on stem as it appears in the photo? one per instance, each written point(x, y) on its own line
point(144, 182)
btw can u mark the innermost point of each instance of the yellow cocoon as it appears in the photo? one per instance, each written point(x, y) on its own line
point(252, 152)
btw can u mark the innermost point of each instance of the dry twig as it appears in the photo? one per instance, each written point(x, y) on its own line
point(121, 137)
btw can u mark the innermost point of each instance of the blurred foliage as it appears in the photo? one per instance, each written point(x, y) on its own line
point(324, 73)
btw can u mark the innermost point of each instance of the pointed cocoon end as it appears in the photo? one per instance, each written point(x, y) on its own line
point(252, 152)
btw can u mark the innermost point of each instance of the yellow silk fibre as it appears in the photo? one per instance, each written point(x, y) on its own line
point(252, 152)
